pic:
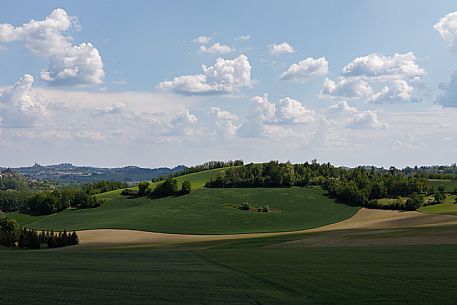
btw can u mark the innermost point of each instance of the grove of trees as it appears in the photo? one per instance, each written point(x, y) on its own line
point(357, 186)
point(11, 235)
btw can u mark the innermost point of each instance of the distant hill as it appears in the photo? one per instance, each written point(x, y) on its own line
point(69, 173)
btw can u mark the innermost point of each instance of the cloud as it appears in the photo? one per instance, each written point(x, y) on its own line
point(449, 96)
point(43, 37)
point(115, 108)
point(383, 68)
point(225, 76)
point(224, 122)
point(290, 111)
point(202, 39)
point(216, 48)
point(68, 64)
point(346, 88)
point(183, 124)
point(396, 75)
point(366, 120)
point(306, 69)
point(19, 106)
point(341, 107)
point(447, 28)
point(243, 37)
point(281, 48)
point(287, 111)
point(400, 91)
point(77, 65)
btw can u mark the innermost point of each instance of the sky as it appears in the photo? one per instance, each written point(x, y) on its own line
point(162, 83)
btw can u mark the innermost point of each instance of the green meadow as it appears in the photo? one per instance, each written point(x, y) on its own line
point(204, 211)
point(257, 271)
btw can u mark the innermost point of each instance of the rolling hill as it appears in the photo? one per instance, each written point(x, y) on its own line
point(204, 211)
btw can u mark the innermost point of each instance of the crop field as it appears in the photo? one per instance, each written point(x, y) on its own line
point(204, 211)
point(242, 272)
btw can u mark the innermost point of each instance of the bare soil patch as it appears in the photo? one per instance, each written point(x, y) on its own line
point(366, 227)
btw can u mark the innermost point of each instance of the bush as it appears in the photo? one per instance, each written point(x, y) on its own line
point(143, 187)
point(245, 206)
point(186, 187)
point(167, 188)
point(128, 192)
point(266, 209)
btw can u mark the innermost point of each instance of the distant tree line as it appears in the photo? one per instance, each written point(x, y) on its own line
point(11, 235)
point(358, 186)
point(168, 187)
point(17, 197)
point(202, 167)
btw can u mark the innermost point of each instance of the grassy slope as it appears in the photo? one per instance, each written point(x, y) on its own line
point(448, 207)
point(204, 211)
point(449, 185)
point(246, 272)
point(207, 211)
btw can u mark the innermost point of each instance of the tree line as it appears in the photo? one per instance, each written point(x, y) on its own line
point(11, 235)
point(168, 187)
point(45, 202)
point(358, 186)
point(202, 167)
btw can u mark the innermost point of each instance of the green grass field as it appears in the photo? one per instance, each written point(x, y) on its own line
point(204, 211)
point(241, 272)
point(449, 207)
point(449, 185)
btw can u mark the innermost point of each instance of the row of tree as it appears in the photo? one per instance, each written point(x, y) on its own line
point(43, 202)
point(11, 235)
point(50, 202)
point(202, 167)
point(359, 186)
point(168, 187)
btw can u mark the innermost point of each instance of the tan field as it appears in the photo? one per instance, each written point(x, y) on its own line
point(366, 227)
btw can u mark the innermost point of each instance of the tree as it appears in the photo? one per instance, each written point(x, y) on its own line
point(74, 239)
point(186, 187)
point(143, 187)
point(414, 202)
point(167, 187)
point(52, 243)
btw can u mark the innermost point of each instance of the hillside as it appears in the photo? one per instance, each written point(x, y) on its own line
point(204, 211)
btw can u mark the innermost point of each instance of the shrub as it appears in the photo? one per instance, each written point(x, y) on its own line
point(143, 187)
point(245, 206)
point(186, 187)
point(167, 188)
point(127, 192)
point(266, 209)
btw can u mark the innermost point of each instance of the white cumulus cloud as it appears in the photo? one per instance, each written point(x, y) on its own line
point(68, 64)
point(286, 111)
point(281, 48)
point(20, 106)
point(346, 88)
point(306, 69)
point(400, 91)
point(366, 120)
point(224, 122)
point(341, 107)
point(202, 40)
point(216, 48)
point(225, 76)
point(377, 79)
point(376, 66)
point(447, 28)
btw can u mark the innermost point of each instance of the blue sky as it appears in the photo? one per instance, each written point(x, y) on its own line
point(371, 82)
